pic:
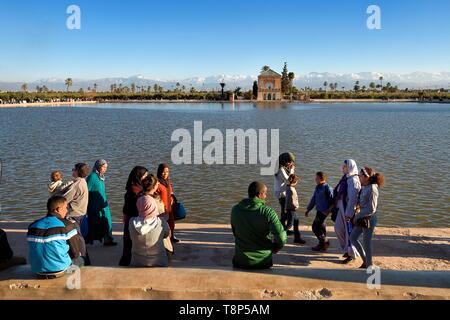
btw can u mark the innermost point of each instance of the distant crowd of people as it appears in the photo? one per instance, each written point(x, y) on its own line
point(78, 214)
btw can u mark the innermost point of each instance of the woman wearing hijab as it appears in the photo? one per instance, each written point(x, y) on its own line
point(99, 214)
point(166, 193)
point(147, 231)
point(347, 195)
point(133, 189)
point(366, 214)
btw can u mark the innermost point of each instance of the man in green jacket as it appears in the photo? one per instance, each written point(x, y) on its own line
point(257, 230)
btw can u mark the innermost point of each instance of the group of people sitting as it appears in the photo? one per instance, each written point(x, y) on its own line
point(78, 214)
point(352, 204)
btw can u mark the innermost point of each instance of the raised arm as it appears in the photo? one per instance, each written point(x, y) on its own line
point(70, 193)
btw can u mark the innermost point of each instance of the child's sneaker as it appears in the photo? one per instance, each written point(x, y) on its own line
point(298, 239)
point(319, 247)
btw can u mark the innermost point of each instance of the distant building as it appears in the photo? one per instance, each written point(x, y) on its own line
point(269, 86)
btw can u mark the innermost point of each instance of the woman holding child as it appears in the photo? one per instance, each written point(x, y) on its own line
point(286, 162)
point(148, 231)
point(77, 196)
point(133, 189)
point(366, 218)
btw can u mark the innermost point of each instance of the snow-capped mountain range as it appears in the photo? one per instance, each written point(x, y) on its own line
point(415, 80)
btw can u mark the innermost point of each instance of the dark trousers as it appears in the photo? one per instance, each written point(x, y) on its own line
point(267, 265)
point(127, 245)
point(319, 227)
point(283, 217)
point(83, 250)
point(291, 216)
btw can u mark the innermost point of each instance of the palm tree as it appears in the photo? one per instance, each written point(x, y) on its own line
point(24, 87)
point(68, 83)
point(372, 85)
point(325, 84)
point(381, 79)
point(291, 77)
point(95, 87)
point(331, 86)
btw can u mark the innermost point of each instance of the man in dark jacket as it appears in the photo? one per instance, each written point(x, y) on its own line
point(257, 230)
point(53, 241)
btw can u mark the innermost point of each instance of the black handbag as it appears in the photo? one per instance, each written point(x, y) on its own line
point(334, 213)
point(5, 250)
point(363, 222)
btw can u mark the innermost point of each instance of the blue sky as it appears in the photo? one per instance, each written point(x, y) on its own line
point(184, 38)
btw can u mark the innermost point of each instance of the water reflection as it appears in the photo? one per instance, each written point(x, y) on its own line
point(407, 142)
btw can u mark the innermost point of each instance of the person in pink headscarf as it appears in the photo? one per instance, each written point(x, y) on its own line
point(147, 231)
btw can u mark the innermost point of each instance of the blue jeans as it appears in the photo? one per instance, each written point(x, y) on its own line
point(364, 250)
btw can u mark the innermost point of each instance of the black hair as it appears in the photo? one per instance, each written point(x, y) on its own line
point(54, 203)
point(255, 188)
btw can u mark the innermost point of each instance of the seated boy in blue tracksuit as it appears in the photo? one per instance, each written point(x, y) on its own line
point(322, 199)
point(53, 241)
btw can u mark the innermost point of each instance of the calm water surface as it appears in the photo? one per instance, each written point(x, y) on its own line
point(409, 143)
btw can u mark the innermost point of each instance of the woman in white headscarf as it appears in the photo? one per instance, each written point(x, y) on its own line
point(346, 198)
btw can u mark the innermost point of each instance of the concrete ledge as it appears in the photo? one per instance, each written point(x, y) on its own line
point(415, 264)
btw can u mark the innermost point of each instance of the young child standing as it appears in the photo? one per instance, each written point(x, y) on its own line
point(322, 199)
point(292, 206)
point(56, 185)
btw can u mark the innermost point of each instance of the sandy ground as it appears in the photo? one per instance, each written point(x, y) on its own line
point(414, 262)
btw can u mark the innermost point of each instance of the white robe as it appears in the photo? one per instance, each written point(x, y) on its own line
point(341, 227)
